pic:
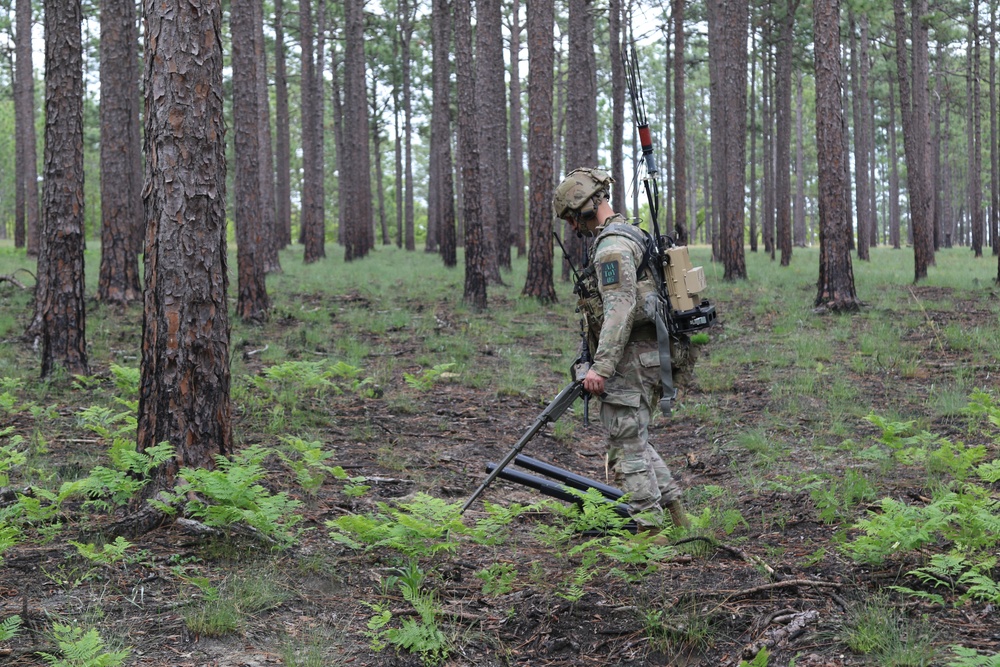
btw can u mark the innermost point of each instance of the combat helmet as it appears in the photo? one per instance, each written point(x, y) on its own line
point(578, 188)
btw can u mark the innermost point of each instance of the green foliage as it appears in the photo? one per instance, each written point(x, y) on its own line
point(424, 526)
point(10, 456)
point(429, 377)
point(962, 514)
point(498, 578)
point(109, 554)
point(82, 649)
point(421, 636)
point(9, 627)
point(838, 496)
point(967, 657)
point(309, 461)
point(232, 494)
point(759, 660)
point(107, 488)
point(126, 379)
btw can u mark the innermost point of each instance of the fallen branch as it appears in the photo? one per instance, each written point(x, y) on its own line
point(788, 583)
point(14, 281)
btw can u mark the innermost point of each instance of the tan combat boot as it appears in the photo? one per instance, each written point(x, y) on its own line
point(677, 514)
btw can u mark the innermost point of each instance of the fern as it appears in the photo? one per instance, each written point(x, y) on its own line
point(126, 379)
point(231, 495)
point(82, 649)
point(967, 657)
point(422, 527)
point(428, 377)
point(9, 627)
point(10, 457)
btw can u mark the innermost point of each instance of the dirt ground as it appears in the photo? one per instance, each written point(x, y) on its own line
point(778, 569)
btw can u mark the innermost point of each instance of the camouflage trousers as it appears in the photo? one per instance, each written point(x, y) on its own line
point(626, 411)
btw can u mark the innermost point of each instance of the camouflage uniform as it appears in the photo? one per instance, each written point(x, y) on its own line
point(622, 339)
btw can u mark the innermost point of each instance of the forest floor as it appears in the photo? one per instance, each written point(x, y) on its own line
point(763, 454)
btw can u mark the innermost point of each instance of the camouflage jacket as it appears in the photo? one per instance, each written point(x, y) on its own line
point(614, 299)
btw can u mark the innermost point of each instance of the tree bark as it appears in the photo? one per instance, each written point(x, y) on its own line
point(783, 131)
point(406, 33)
point(994, 139)
point(443, 184)
point(975, 135)
point(894, 217)
point(468, 139)
point(581, 105)
point(283, 183)
point(268, 196)
point(753, 143)
point(859, 102)
point(799, 232)
point(312, 225)
point(27, 170)
point(252, 302)
point(185, 379)
point(680, 129)
point(358, 178)
point(728, 23)
point(912, 75)
point(541, 56)
point(836, 276)
point(121, 182)
point(63, 311)
point(492, 120)
point(517, 230)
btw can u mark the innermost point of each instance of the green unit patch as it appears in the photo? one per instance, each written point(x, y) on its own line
point(609, 273)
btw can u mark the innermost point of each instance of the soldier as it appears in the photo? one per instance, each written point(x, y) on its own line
point(621, 334)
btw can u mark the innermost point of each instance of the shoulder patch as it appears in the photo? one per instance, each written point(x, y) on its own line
point(610, 272)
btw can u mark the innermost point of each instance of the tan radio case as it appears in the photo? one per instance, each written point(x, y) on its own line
point(684, 282)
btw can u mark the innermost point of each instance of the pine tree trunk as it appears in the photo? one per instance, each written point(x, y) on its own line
point(581, 106)
point(492, 120)
point(406, 30)
point(994, 139)
point(63, 311)
point(27, 172)
point(912, 75)
point(252, 302)
point(836, 276)
point(121, 182)
point(859, 102)
point(517, 230)
point(680, 131)
point(783, 130)
point(441, 163)
point(312, 228)
point(357, 179)
point(894, 217)
point(975, 135)
point(728, 24)
point(799, 232)
point(283, 184)
point(269, 231)
point(617, 75)
point(753, 144)
point(468, 141)
point(541, 56)
point(185, 379)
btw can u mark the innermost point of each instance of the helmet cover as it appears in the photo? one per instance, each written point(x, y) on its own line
point(578, 188)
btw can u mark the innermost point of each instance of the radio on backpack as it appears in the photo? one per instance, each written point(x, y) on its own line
point(684, 283)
